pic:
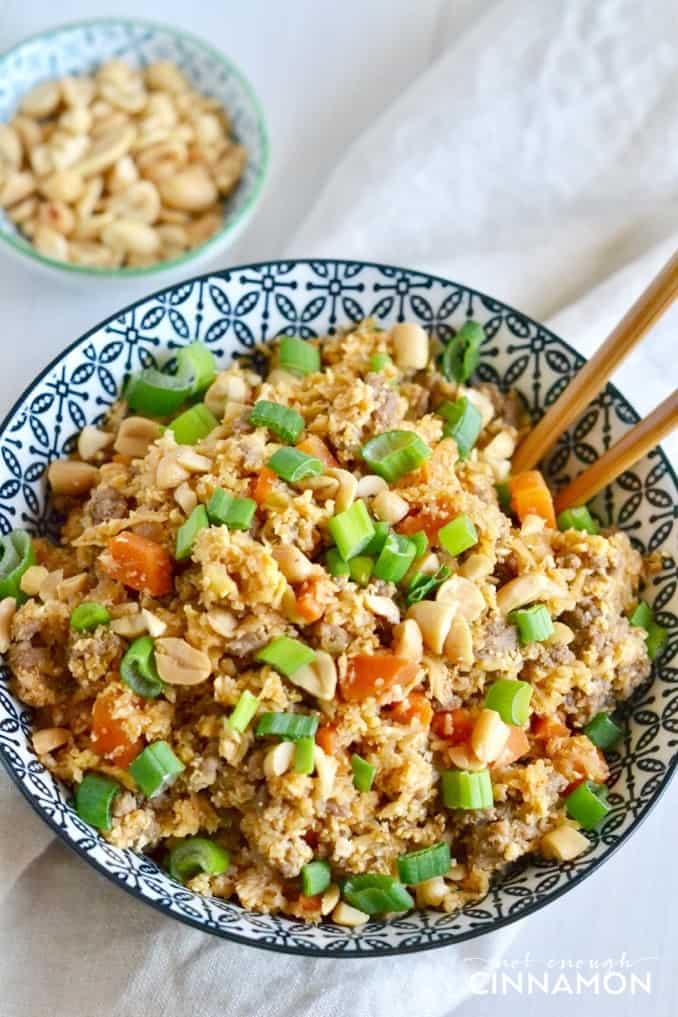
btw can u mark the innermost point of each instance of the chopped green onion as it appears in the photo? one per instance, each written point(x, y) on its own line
point(420, 541)
point(378, 362)
point(316, 876)
point(363, 773)
point(298, 356)
point(394, 453)
point(360, 569)
point(422, 584)
point(193, 425)
point(225, 509)
point(138, 670)
point(578, 519)
point(88, 615)
point(587, 805)
point(375, 894)
point(466, 789)
point(287, 725)
point(395, 558)
point(352, 530)
point(189, 530)
point(462, 353)
point(534, 623)
point(458, 535)
point(287, 424)
point(643, 617)
point(462, 422)
point(418, 866)
point(286, 655)
point(504, 497)
point(336, 566)
point(381, 531)
point(155, 769)
point(16, 556)
point(293, 465)
point(93, 799)
point(243, 711)
point(195, 855)
point(303, 755)
point(196, 362)
point(155, 394)
point(510, 699)
point(603, 731)
point(656, 638)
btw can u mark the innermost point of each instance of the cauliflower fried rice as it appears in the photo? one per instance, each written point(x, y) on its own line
point(398, 681)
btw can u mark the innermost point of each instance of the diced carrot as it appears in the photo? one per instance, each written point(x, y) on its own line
point(430, 520)
point(517, 744)
point(326, 737)
point(415, 708)
point(109, 736)
point(308, 607)
point(454, 726)
point(577, 757)
point(548, 727)
point(374, 674)
point(531, 496)
point(312, 445)
point(263, 485)
point(140, 563)
point(309, 903)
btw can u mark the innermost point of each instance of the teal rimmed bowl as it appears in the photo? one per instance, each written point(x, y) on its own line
point(79, 48)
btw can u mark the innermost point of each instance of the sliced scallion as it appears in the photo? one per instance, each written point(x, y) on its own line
point(138, 670)
point(578, 519)
point(226, 509)
point(462, 422)
point(534, 623)
point(93, 799)
point(316, 876)
point(286, 655)
point(587, 804)
point(421, 584)
point(395, 558)
point(363, 773)
point(504, 496)
point(462, 353)
point(381, 531)
point(352, 530)
point(603, 731)
point(378, 362)
point(303, 755)
point(298, 356)
point(189, 530)
point(393, 454)
point(197, 362)
point(243, 711)
point(287, 424)
point(418, 866)
point(360, 569)
point(16, 556)
point(293, 465)
point(511, 700)
point(466, 789)
point(335, 564)
point(420, 541)
point(88, 615)
point(287, 725)
point(196, 855)
point(643, 617)
point(155, 769)
point(156, 394)
point(193, 425)
point(458, 535)
point(375, 894)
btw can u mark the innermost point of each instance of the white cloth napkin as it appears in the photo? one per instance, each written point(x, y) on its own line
point(535, 159)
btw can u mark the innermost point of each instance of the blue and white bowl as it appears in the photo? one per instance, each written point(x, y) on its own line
point(79, 49)
point(231, 311)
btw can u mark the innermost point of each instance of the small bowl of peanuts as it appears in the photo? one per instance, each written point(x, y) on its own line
point(126, 149)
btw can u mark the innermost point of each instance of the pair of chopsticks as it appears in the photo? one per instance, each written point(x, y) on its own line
point(644, 435)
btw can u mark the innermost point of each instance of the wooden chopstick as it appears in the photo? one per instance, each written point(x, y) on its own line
point(631, 447)
point(649, 306)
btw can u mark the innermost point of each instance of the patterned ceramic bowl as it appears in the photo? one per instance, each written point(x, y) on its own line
point(79, 49)
point(231, 311)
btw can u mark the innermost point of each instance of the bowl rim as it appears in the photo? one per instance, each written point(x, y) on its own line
point(22, 247)
point(304, 950)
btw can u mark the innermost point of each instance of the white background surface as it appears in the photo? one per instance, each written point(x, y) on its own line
point(324, 71)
